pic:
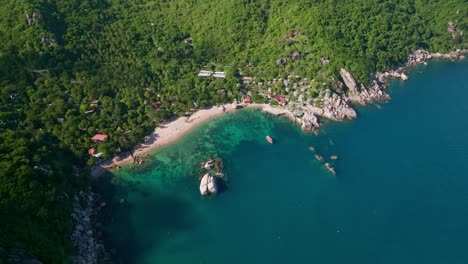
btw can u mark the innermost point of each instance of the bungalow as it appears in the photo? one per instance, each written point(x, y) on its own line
point(99, 137)
point(219, 75)
point(247, 100)
point(93, 152)
point(280, 99)
point(203, 73)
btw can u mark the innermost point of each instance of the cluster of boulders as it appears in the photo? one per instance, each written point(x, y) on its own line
point(335, 103)
point(422, 56)
point(88, 249)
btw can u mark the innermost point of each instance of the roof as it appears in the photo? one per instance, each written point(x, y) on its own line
point(247, 99)
point(94, 102)
point(89, 111)
point(280, 99)
point(92, 151)
point(100, 137)
point(219, 75)
point(203, 73)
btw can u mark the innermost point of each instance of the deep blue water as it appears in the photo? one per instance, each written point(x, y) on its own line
point(400, 194)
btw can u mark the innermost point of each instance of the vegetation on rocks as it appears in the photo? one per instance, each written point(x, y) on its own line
point(140, 60)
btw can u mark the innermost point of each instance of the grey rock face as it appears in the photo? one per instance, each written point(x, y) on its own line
point(88, 248)
point(349, 81)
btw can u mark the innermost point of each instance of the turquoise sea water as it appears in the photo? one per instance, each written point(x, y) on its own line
point(400, 194)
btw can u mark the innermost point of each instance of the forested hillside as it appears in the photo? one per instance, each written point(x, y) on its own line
point(70, 69)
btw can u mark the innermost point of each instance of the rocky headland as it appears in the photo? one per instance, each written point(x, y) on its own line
point(337, 103)
point(89, 248)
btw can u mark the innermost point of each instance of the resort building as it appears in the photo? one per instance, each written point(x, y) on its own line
point(99, 137)
point(93, 152)
point(205, 73)
point(219, 75)
point(281, 100)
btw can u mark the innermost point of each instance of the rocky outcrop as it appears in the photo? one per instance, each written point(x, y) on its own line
point(349, 81)
point(281, 61)
point(308, 121)
point(88, 249)
point(333, 107)
point(335, 102)
point(363, 95)
point(47, 40)
point(451, 27)
point(422, 56)
point(33, 18)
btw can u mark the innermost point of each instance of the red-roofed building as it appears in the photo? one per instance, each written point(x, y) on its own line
point(99, 137)
point(94, 152)
point(94, 102)
point(280, 99)
point(247, 99)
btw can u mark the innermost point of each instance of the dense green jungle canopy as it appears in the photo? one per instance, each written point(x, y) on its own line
point(140, 59)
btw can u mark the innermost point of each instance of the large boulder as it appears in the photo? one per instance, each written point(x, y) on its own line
point(349, 81)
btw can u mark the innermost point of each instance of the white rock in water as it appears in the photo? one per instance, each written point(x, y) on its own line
point(212, 188)
point(204, 184)
point(404, 77)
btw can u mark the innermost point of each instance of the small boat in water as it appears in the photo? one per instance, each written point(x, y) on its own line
point(269, 139)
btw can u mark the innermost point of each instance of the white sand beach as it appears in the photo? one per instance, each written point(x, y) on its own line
point(173, 130)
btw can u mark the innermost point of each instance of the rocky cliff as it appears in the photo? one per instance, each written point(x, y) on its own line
point(337, 103)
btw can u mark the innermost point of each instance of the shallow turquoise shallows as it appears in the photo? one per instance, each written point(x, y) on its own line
point(400, 194)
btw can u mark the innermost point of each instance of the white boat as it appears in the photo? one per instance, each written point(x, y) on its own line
point(204, 184)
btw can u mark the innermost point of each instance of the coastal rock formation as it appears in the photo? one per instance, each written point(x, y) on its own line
point(363, 95)
point(349, 81)
point(88, 249)
point(308, 121)
point(334, 102)
point(422, 56)
point(208, 185)
point(334, 107)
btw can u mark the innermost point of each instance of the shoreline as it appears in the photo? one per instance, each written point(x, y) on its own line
point(173, 130)
point(340, 108)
